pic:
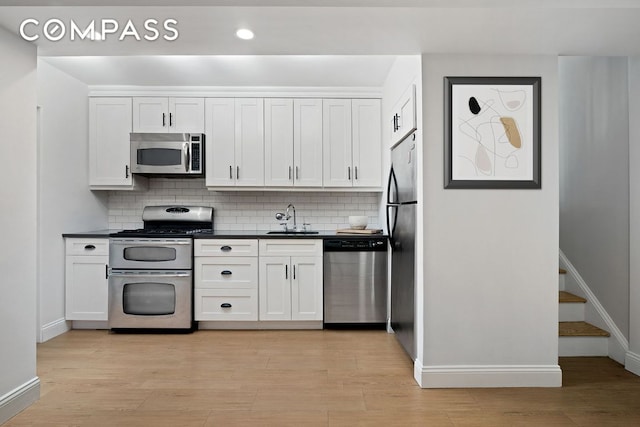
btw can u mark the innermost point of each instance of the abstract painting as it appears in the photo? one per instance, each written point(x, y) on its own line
point(492, 132)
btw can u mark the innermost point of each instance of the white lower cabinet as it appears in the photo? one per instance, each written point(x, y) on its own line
point(290, 285)
point(225, 280)
point(86, 283)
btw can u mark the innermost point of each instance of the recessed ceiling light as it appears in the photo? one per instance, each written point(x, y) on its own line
point(244, 34)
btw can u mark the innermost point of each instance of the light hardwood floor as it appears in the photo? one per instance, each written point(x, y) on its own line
point(296, 378)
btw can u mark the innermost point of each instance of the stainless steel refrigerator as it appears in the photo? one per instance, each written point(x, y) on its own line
point(402, 200)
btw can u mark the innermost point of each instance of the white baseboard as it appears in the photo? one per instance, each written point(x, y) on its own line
point(19, 399)
point(618, 344)
point(303, 324)
point(53, 329)
point(90, 324)
point(475, 376)
point(632, 362)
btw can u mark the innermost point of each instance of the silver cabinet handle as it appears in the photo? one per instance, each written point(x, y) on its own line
point(187, 157)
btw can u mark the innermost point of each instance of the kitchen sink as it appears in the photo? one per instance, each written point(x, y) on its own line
point(292, 232)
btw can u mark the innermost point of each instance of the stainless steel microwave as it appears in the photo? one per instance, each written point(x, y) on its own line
point(168, 154)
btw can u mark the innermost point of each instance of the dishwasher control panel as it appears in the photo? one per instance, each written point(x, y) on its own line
point(353, 245)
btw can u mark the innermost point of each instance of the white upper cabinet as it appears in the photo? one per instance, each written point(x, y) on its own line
point(352, 143)
point(307, 142)
point(367, 143)
point(278, 142)
point(234, 140)
point(293, 142)
point(109, 146)
point(403, 121)
point(336, 142)
point(175, 115)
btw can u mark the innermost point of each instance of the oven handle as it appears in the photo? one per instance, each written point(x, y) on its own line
point(149, 274)
point(151, 242)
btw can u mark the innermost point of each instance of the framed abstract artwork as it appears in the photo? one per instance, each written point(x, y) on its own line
point(492, 132)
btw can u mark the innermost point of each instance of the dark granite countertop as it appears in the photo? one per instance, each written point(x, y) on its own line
point(263, 234)
point(238, 234)
point(91, 234)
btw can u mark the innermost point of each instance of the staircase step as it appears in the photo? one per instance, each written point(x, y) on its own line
point(569, 297)
point(562, 271)
point(580, 329)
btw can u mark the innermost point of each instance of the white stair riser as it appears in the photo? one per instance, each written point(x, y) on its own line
point(583, 346)
point(571, 312)
point(561, 282)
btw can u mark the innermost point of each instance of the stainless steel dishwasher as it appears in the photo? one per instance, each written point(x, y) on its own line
point(355, 282)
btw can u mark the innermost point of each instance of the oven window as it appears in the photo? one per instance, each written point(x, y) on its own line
point(159, 157)
point(149, 299)
point(149, 253)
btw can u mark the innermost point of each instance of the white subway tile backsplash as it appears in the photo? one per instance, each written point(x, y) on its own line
point(240, 210)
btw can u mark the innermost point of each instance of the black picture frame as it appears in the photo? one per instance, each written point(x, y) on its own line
point(500, 128)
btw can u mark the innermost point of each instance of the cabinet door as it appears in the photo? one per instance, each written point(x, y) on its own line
point(307, 142)
point(336, 142)
point(367, 148)
point(86, 288)
point(186, 115)
point(220, 142)
point(109, 146)
point(249, 148)
point(278, 142)
point(150, 114)
point(306, 288)
point(404, 115)
point(275, 288)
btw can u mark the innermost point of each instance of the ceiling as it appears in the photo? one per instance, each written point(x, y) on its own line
point(334, 29)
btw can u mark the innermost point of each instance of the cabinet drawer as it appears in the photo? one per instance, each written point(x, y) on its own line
point(292, 247)
point(230, 248)
point(226, 304)
point(226, 272)
point(87, 246)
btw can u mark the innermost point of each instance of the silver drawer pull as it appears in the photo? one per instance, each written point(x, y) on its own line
point(226, 273)
point(226, 248)
point(225, 305)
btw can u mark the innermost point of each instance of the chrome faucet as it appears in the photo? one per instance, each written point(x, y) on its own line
point(295, 224)
point(285, 216)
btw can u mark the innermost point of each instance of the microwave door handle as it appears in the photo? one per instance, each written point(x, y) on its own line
point(187, 157)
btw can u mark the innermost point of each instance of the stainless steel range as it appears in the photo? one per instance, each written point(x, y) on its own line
point(151, 276)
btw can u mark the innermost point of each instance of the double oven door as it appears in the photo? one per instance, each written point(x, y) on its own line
point(150, 284)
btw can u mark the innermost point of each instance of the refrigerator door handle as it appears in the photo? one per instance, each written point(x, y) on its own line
point(394, 181)
point(391, 230)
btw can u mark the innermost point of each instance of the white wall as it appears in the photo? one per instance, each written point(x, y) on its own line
point(594, 182)
point(64, 202)
point(632, 361)
point(19, 385)
point(491, 256)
